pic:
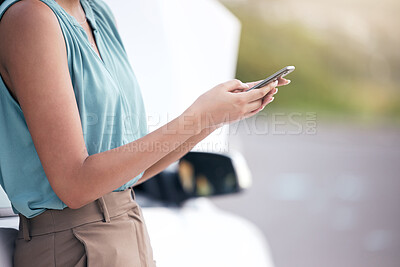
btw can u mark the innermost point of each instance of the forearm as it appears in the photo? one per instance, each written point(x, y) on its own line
point(174, 155)
point(78, 179)
point(103, 172)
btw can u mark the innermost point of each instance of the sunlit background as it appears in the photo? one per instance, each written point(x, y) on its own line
point(325, 154)
point(346, 53)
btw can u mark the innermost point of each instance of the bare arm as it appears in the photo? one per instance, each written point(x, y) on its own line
point(33, 53)
point(174, 155)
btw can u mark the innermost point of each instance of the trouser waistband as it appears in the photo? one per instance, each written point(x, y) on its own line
point(102, 209)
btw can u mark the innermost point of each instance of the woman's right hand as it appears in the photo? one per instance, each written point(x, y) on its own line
point(227, 102)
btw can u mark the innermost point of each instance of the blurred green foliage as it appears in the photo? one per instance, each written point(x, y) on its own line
point(331, 78)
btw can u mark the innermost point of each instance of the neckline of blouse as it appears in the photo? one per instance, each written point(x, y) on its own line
point(86, 6)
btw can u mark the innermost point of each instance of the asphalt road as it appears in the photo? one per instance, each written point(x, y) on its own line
point(324, 194)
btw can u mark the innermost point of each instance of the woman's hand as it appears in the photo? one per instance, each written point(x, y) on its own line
point(229, 102)
point(270, 96)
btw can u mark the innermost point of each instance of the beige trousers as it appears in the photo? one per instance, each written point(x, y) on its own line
point(108, 232)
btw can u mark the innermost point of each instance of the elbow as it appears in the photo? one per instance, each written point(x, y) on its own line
point(73, 203)
point(71, 190)
point(73, 198)
point(76, 199)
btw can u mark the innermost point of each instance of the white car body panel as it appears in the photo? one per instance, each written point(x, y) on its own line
point(178, 49)
point(199, 234)
point(9, 222)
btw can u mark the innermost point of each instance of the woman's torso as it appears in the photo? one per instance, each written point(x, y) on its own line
point(107, 95)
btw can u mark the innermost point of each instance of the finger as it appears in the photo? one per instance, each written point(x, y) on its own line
point(260, 92)
point(266, 100)
point(269, 96)
point(252, 113)
point(258, 109)
point(251, 84)
point(283, 81)
point(233, 85)
point(253, 106)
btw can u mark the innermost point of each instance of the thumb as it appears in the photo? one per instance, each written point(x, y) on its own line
point(234, 85)
point(251, 84)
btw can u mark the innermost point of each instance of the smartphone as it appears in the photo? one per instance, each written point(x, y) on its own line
point(274, 77)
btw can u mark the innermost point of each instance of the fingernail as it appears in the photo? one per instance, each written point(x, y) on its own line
point(272, 99)
point(276, 90)
point(262, 108)
point(288, 81)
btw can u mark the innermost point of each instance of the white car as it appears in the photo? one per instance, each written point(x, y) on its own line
point(185, 228)
point(179, 49)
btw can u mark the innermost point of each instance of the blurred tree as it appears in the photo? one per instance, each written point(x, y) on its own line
point(335, 72)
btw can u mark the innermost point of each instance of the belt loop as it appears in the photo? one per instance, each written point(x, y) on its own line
point(132, 192)
point(25, 227)
point(104, 210)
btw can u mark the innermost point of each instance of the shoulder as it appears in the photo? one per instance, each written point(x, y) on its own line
point(28, 11)
point(28, 23)
point(27, 19)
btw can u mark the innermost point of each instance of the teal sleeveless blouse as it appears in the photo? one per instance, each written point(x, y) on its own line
point(107, 95)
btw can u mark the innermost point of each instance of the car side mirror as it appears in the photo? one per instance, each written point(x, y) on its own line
point(198, 174)
point(210, 174)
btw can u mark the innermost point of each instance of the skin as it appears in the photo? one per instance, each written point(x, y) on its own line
point(33, 65)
